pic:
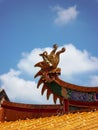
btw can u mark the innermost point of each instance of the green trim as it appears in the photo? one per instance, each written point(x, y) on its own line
point(55, 88)
point(71, 94)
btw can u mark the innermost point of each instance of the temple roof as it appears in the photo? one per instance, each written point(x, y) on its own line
point(76, 121)
point(3, 96)
point(49, 76)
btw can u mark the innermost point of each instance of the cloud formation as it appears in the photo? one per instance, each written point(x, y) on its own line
point(65, 16)
point(73, 62)
point(94, 80)
point(28, 60)
point(20, 90)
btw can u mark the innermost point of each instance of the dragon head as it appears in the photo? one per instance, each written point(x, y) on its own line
point(49, 70)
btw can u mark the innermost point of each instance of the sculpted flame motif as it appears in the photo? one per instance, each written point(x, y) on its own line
point(49, 70)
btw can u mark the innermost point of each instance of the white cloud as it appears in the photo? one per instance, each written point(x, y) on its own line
point(94, 80)
point(65, 16)
point(72, 61)
point(21, 90)
point(28, 60)
point(75, 61)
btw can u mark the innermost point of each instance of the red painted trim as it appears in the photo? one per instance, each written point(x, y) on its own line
point(30, 108)
point(66, 106)
point(75, 87)
point(83, 104)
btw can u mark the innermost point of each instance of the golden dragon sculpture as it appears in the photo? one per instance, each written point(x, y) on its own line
point(49, 77)
point(49, 70)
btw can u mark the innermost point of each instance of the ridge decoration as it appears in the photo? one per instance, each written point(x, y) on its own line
point(49, 72)
point(49, 77)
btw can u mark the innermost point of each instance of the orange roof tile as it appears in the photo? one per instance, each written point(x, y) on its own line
point(76, 121)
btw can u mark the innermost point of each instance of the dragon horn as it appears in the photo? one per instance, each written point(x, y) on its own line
point(43, 89)
point(39, 64)
point(55, 98)
point(38, 74)
point(39, 82)
point(48, 93)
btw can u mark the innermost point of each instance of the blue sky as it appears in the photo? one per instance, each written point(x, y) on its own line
point(27, 27)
